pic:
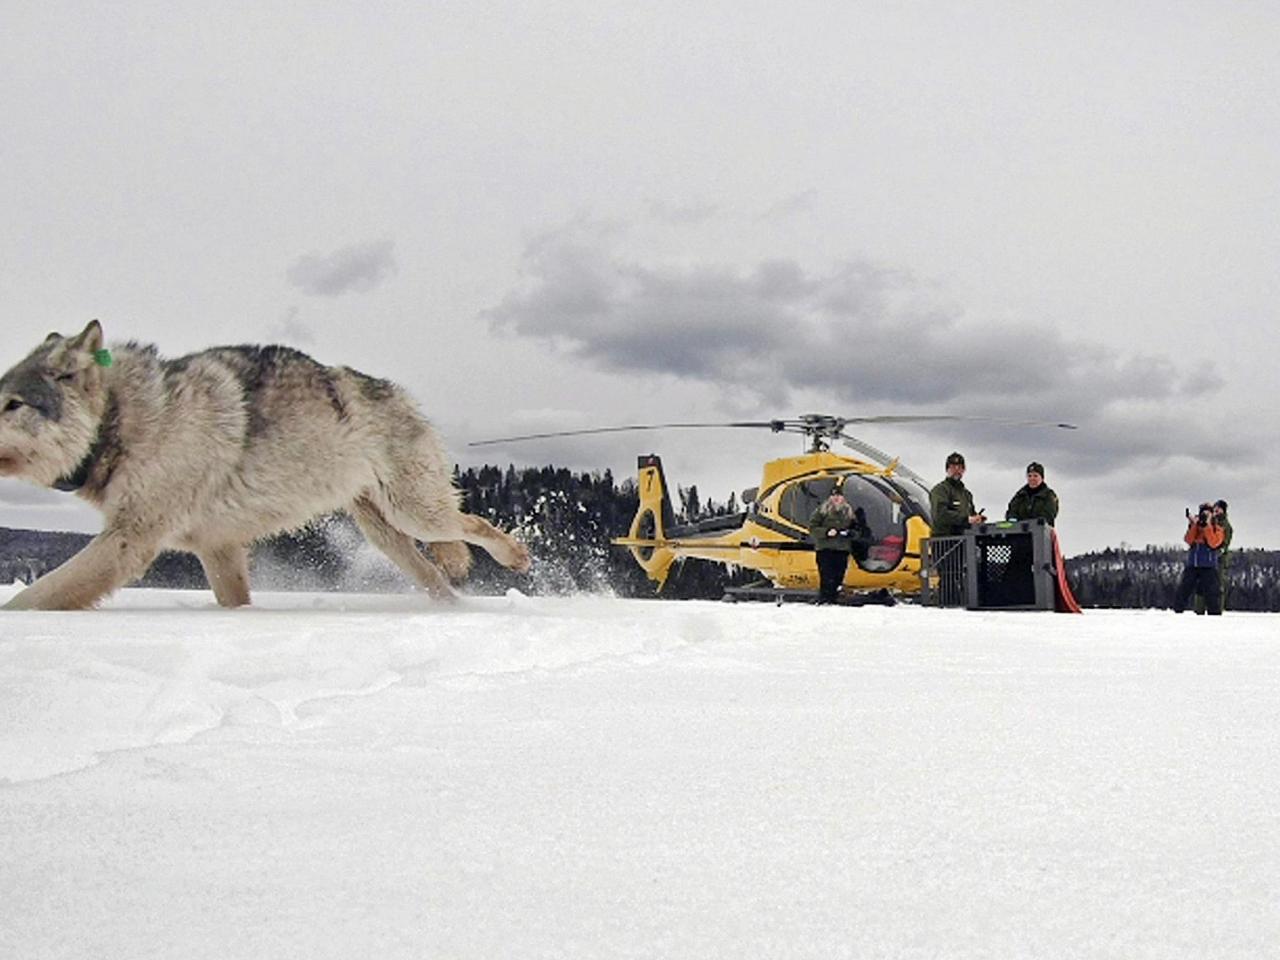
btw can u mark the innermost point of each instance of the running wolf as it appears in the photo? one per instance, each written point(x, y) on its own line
point(214, 450)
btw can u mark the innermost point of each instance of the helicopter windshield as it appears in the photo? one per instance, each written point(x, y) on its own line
point(880, 502)
point(915, 497)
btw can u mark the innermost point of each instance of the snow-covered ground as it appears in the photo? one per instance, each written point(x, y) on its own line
point(345, 777)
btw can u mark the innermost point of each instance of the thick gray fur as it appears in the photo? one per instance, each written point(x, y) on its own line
point(212, 451)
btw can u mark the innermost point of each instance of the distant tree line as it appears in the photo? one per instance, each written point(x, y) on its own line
point(1132, 578)
point(568, 520)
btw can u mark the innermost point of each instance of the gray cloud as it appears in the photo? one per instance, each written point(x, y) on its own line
point(789, 206)
point(680, 214)
point(292, 330)
point(359, 267)
point(869, 338)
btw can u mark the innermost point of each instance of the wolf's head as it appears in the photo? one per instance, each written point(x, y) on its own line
point(50, 406)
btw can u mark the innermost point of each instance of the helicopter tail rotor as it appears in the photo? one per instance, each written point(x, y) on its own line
point(654, 517)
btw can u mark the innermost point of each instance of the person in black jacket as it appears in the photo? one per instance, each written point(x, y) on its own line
point(1035, 501)
point(951, 503)
point(837, 531)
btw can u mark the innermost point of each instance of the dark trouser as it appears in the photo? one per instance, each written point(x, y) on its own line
point(1200, 580)
point(831, 567)
point(1222, 586)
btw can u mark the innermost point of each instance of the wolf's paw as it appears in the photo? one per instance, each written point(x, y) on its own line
point(519, 559)
point(445, 597)
point(20, 601)
point(454, 556)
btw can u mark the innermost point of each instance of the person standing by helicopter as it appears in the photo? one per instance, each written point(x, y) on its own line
point(1035, 501)
point(837, 531)
point(951, 503)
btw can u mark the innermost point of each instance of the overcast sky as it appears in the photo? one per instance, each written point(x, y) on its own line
point(560, 215)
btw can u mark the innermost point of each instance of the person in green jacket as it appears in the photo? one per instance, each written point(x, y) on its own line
point(951, 503)
point(837, 531)
point(1035, 501)
point(1224, 556)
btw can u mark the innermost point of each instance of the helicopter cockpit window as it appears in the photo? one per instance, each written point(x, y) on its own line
point(881, 504)
point(800, 499)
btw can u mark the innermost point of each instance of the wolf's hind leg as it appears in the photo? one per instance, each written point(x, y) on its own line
point(227, 569)
point(503, 547)
point(437, 530)
point(108, 561)
point(427, 508)
point(399, 546)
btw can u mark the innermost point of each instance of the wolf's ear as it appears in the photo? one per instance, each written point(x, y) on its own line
point(52, 337)
point(89, 339)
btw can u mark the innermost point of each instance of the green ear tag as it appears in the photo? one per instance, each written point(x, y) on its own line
point(102, 357)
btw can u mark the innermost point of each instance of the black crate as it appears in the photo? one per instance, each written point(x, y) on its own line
point(1010, 566)
point(994, 566)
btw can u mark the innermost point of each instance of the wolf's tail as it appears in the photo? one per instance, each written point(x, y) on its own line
point(654, 517)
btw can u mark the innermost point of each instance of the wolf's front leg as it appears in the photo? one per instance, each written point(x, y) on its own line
point(110, 560)
point(227, 569)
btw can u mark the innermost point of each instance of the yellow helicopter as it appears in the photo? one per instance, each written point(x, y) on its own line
point(771, 534)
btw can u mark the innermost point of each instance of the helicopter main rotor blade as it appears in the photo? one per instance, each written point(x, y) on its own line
point(813, 425)
point(879, 456)
point(634, 427)
point(941, 417)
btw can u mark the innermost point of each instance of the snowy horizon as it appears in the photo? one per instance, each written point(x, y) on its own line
point(330, 776)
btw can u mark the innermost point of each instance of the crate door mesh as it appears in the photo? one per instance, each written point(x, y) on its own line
point(1004, 571)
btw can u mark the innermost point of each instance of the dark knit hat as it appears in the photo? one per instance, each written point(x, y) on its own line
point(954, 459)
point(1034, 467)
point(1222, 504)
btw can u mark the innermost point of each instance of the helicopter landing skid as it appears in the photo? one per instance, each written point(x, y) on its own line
point(763, 590)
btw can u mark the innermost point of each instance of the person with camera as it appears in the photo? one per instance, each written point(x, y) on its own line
point(1224, 555)
point(838, 531)
point(951, 503)
point(1036, 500)
point(1204, 539)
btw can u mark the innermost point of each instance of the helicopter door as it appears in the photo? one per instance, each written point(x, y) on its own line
point(882, 506)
